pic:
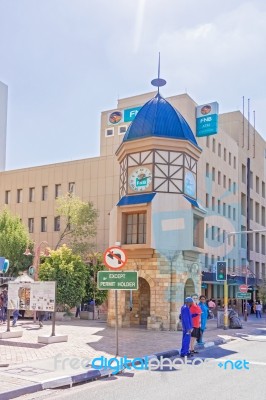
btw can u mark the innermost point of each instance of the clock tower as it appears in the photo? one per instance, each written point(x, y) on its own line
point(158, 220)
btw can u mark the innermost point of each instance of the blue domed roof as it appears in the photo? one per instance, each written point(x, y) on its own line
point(159, 118)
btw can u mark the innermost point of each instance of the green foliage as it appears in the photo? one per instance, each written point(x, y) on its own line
point(70, 273)
point(262, 292)
point(78, 223)
point(14, 239)
point(95, 264)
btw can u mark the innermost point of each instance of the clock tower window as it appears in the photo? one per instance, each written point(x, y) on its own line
point(135, 228)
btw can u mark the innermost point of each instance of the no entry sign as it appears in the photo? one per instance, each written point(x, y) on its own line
point(243, 288)
point(115, 258)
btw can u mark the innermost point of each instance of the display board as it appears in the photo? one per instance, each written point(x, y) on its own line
point(39, 296)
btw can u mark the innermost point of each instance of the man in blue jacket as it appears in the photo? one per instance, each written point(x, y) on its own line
point(204, 317)
point(187, 326)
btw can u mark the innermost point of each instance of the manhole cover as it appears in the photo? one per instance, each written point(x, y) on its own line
point(27, 371)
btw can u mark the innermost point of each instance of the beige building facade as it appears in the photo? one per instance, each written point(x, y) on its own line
point(178, 241)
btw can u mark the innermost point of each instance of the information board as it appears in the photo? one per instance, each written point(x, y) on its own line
point(39, 296)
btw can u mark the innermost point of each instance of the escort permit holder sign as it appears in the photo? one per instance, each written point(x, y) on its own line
point(207, 119)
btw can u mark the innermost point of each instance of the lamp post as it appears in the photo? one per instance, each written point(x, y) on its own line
point(226, 237)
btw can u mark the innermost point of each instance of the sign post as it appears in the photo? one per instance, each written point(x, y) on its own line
point(115, 259)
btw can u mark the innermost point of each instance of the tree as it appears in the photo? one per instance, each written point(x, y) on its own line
point(14, 238)
point(95, 264)
point(262, 291)
point(78, 225)
point(70, 273)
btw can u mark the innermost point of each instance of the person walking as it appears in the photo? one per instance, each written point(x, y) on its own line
point(204, 317)
point(187, 326)
point(4, 300)
point(16, 314)
point(258, 309)
point(195, 311)
point(41, 315)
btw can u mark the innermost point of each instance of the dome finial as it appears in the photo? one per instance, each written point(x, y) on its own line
point(158, 81)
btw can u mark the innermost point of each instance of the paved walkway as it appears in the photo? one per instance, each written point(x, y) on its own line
point(32, 367)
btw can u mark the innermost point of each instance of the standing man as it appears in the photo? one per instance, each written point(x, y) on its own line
point(258, 309)
point(195, 311)
point(204, 317)
point(187, 327)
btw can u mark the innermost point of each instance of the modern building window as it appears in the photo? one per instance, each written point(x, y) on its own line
point(251, 179)
point(225, 181)
point(224, 154)
point(7, 196)
point(122, 130)
point(257, 185)
point(243, 237)
point(219, 234)
point(19, 195)
point(213, 174)
point(251, 209)
point(213, 232)
point(263, 249)
point(207, 231)
point(257, 269)
point(257, 212)
point(224, 209)
point(43, 224)
point(57, 224)
point(250, 241)
point(263, 271)
point(234, 187)
point(207, 141)
point(213, 203)
point(71, 187)
point(219, 177)
point(31, 194)
point(229, 184)
point(263, 216)
point(230, 158)
point(234, 162)
point(219, 149)
point(213, 145)
point(206, 261)
point(207, 200)
point(219, 206)
point(243, 204)
point(109, 132)
point(207, 169)
point(229, 211)
point(244, 174)
point(223, 236)
point(58, 190)
point(44, 193)
point(234, 214)
point(212, 261)
point(257, 242)
point(136, 228)
point(31, 225)
point(263, 189)
point(234, 265)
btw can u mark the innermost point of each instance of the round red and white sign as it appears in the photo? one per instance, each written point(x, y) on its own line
point(115, 258)
point(243, 288)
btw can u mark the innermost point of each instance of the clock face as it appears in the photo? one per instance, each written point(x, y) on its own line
point(190, 184)
point(140, 179)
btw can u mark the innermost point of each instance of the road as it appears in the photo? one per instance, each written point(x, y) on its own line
point(203, 382)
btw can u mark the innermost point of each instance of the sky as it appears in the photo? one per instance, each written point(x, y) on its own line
point(65, 61)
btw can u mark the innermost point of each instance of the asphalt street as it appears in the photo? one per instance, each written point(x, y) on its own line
point(206, 381)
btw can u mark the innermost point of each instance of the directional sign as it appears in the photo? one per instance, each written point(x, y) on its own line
point(243, 288)
point(243, 296)
point(115, 258)
point(117, 280)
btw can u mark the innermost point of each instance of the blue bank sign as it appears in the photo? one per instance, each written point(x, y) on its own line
point(207, 119)
point(118, 117)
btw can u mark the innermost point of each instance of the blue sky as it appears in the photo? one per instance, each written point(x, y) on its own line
point(65, 61)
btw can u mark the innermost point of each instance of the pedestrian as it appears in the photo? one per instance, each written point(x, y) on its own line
point(204, 317)
point(187, 327)
point(195, 311)
point(248, 308)
point(78, 311)
point(40, 316)
point(258, 309)
point(16, 314)
point(4, 300)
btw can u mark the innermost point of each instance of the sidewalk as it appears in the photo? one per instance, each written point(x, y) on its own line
point(33, 367)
